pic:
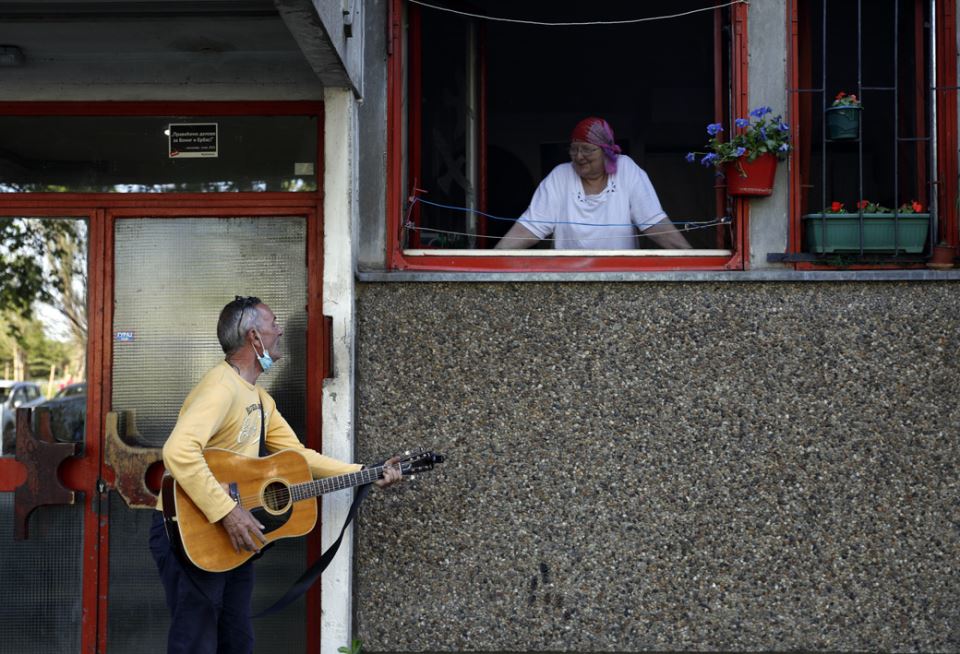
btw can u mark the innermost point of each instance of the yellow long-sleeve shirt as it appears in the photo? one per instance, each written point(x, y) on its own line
point(223, 410)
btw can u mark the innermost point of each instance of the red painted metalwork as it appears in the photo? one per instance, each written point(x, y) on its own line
point(946, 99)
point(414, 121)
point(561, 263)
point(172, 108)
point(42, 455)
point(394, 182)
point(318, 364)
point(740, 101)
point(101, 210)
point(719, 104)
point(800, 155)
point(96, 541)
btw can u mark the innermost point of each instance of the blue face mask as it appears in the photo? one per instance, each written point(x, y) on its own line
point(264, 360)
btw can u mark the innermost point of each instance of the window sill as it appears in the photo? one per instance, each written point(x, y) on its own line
point(559, 261)
point(568, 253)
point(685, 276)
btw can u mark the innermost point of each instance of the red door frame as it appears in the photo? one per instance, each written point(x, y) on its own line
point(101, 210)
point(398, 68)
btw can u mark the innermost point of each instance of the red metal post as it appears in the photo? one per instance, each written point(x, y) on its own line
point(719, 112)
point(946, 99)
point(740, 65)
point(414, 119)
point(394, 190)
point(800, 155)
point(316, 363)
point(96, 547)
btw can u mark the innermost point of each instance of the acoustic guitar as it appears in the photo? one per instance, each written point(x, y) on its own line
point(277, 489)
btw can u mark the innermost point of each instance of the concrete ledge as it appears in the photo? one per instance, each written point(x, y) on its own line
point(670, 276)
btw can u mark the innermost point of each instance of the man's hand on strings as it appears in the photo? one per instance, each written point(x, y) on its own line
point(245, 531)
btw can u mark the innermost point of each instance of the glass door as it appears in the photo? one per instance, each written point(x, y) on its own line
point(44, 358)
point(171, 277)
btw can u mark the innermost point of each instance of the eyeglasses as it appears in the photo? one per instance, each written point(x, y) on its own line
point(244, 303)
point(585, 150)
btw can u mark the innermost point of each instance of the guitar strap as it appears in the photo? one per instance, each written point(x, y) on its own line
point(308, 578)
point(263, 431)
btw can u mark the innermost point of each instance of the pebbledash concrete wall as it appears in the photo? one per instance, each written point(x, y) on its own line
point(661, 466)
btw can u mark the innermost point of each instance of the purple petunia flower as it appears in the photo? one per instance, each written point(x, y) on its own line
point(739, 152)
point(741, 122)
point(760, 112)
point(714, 128)
point(708, 159)
point(784, 147)
point(691, 157)
point(782, 126)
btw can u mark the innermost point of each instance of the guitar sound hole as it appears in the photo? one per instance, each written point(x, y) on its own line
point(276, 497)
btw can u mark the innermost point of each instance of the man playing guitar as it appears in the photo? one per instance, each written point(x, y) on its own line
point(210, 611)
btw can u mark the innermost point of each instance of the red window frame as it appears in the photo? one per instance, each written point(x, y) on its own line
point(403, 57)
point(945, 98)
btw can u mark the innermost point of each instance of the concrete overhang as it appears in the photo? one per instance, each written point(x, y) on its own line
point(179, 49)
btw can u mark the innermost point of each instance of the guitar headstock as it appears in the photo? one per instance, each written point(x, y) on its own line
point(412, 463)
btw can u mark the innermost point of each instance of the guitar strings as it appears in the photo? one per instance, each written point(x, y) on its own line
point(253, 501)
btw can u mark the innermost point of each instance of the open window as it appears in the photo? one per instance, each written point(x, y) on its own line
point(872, 181)
point(483, 101)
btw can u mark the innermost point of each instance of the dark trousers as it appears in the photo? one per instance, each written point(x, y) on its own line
point(209, 611)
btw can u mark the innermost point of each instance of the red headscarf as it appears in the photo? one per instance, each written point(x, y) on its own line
point(597, 131)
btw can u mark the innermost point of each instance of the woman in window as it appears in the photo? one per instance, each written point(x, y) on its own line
point(598, 201)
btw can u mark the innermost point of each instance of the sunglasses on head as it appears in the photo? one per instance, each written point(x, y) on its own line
point(245, 302)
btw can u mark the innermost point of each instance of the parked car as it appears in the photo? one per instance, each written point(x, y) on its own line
point(13, 395)
point(71, 390)
point(68, 413)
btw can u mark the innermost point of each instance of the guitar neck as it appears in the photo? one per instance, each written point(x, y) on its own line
point(319, 487)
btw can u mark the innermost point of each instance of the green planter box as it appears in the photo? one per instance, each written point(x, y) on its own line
point(840, 232)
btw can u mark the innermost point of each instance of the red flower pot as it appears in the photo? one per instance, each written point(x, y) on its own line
point(942, 257)
point(751, 178)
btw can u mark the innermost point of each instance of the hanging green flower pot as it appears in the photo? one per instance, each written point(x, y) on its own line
point(843, 123)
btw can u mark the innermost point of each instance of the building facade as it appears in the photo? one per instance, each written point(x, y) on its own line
point(747, 445)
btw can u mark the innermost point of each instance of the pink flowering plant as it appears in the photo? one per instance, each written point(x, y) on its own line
point(845, 100)
point(752, 137)
point(869, 206)
point(912, 207)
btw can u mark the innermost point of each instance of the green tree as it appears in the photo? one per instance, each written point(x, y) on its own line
point(42, 261)
point(26, 245)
